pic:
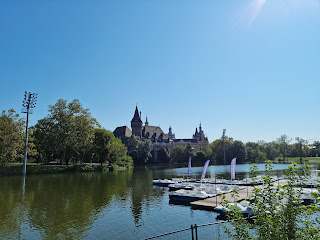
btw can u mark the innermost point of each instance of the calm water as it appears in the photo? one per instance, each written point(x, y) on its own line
point(115, 205)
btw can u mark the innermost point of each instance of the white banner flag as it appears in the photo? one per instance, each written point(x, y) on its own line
point(233, 168)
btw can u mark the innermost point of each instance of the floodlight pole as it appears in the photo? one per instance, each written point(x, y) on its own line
point(24, 168)
point(224, 147)
point(28, 102)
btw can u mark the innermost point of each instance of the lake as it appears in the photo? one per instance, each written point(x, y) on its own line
point(111, 205)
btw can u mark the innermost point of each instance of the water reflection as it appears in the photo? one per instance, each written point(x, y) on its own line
point(96, 205)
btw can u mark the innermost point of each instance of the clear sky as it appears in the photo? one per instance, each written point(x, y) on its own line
point(250, 66)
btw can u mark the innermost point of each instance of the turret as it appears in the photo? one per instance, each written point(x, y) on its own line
point(136, 123)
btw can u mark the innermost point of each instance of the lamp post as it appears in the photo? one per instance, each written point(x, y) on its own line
point(28, 103)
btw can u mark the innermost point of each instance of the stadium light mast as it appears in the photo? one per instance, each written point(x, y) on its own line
point(224, 147)
point(28, 103)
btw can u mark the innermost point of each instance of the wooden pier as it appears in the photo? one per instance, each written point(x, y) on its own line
point(211, 203)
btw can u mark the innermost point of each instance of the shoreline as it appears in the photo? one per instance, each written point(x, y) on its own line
point(14, 170)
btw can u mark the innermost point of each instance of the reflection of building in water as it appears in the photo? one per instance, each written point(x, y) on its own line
point(158, 138)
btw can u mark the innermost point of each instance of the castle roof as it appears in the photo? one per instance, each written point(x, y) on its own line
point(136, 117)
point(122, 131)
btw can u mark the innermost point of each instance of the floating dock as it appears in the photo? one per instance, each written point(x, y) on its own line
point(211, 203)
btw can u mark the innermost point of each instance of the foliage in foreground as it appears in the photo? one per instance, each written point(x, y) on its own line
point(278, 210)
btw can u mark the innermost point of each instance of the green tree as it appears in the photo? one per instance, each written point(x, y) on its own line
point(11, 136)
point(300, 147)
point(271, 150)
point(177, 154)
point(284, 142)
point(238, 150)
point(144, 150)
point(117, 151)
point(278, 210)
point(67, 133)
point(165, 154)
point(217, 150)
point(101, 147)
point(140, 151)
point(199, 157)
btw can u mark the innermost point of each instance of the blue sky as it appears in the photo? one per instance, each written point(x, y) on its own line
point(249, 66)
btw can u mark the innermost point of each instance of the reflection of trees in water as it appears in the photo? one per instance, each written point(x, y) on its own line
point(59, 206)
point(10, 207)
point(143, 192)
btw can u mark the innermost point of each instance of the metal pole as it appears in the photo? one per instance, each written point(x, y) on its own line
point(192, 232)
point(247, 186)
point(224, 153)
point(196, 228)
point(215, 176)
point(24, 167)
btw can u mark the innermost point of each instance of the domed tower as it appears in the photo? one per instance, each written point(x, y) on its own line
point(136, 124)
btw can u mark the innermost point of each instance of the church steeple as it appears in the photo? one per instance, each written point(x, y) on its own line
point(136, 123)
point(146, 123)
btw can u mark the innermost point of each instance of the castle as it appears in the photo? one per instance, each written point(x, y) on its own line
point(158, 138)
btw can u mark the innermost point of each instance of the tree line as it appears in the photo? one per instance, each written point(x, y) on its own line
point(69, 134)
point(251, 152)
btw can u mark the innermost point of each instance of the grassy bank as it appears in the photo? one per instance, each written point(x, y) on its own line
point(33, 168)
point(308, 160)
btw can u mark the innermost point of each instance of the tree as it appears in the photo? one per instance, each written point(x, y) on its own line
point(140, 151)
point(238, 150)
point(199, 157)
point(279, 213)
point(177, 154)
point(101, 147)
point(284, 142)
point(144, 150)
point(300, 146)
point(217, 150)
point(117, 151)
point(165, 154)
point(67, 133)
point(11, 136)
point(271, 150)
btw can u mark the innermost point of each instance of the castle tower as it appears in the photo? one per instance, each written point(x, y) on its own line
point(136, 124)
point(146, 123)
point(171, 135)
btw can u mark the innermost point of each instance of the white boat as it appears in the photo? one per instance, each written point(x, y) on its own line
point(162, 182)
point(189, 195)
point(243, 206)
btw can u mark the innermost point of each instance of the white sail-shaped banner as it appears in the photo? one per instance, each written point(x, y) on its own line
point(189, 166)
point(233, 168)
point(205, 169)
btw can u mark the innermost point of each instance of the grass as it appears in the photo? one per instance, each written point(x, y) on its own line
point(312, 160)
point(20, 164)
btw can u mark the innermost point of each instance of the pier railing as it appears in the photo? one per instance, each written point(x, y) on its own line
point(214, 230)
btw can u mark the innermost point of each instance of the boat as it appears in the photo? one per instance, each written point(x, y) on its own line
point(189, 195)
point(243, 206)
point(183, 185)
point(162, 182)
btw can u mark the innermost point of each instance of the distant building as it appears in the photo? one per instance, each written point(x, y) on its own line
point(158, 138)
point(121, 132)
point(197, 141)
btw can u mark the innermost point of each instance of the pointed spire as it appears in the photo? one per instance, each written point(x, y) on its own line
point(136, 117)
point(136, 113)
point(146, 123)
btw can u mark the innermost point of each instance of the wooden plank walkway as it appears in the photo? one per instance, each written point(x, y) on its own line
point(211, 203)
